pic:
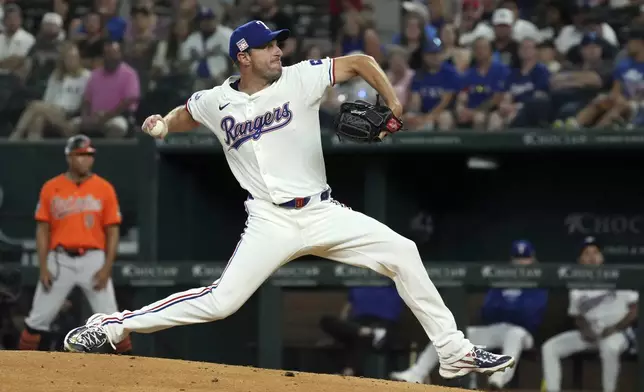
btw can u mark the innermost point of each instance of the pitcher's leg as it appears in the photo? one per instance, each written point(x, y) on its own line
point(365, 242)
point(353, 238)
point(265, 245)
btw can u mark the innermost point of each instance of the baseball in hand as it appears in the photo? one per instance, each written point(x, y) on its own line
point(155, 126)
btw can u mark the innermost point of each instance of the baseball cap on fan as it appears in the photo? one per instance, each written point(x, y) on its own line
point(251, 35)
point(522, 249)
point(503, 16)
point(79, 144)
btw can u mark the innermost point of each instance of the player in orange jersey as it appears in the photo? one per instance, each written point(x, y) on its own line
point(77, 235)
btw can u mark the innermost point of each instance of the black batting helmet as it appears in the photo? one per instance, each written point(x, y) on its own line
point(79, 144)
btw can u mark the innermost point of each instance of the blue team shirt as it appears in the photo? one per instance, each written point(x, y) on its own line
point(630, 74)
point(432, 86)
point(116, 27)
point(522, 87)
point(382, 302)
point(481, 87)
point(524, 308)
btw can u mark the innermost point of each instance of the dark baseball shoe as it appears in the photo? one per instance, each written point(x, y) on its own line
point(477, 360)
point(89, 338)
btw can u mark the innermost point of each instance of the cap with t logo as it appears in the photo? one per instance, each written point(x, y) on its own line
point(253, 34)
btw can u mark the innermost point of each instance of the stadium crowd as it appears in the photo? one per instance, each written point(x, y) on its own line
point(101, 66)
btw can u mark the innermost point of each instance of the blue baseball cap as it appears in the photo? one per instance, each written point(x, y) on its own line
point(590, 38)
point(433, 46)
point(253, 34)
point(522, 249)
point(205, 13)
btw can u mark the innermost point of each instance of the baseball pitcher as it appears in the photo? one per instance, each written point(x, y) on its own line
point(510, 318)
point(77, 235)
point(603, 319)
point(267, 121)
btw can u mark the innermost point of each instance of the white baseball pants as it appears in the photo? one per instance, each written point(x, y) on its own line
point(274, 236)
point(571, 342)
point(69, 272)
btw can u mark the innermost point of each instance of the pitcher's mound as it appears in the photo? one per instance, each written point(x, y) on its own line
point(22, 371)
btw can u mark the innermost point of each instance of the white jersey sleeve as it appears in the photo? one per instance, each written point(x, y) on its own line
point(313, 77)
point(198, 104)
point(628, 296)
point(573, 303)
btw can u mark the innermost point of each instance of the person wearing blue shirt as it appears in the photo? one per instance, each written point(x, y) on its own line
point(529, 81)
point(623, 103)
point(364, 324)
point(509, 318)
point(432, 91)
point(483, 86)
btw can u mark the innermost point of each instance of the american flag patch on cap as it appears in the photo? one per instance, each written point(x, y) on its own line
point(242, 45)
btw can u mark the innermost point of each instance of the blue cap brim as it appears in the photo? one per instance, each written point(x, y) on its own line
point(279, 36)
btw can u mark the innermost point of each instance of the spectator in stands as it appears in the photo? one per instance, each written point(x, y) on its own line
point(365, 322)
point(208, 50)
point(623, 102)
point(420, 9)
point(167, 58)
point(15, 42)
point(399, 73)
point(457, 56)
point(140, 45)
point(114, 25)
point(311, 52)
point(61, 101)
point(437, 16)
point(608, 50)
point(471, 26)
point(548, 56)
point(356, 36)
point(111, 96)
point(554, 21)
point(413, 38)
point(603, 319)
point(521, 28)
point(336, 9)
point(91, 42)
point(504, 44)
point(575, 86)
point(509, 319)
point(155, 26)
point(46, 49)
point(484, 84)
point(188, 10)
point(583, 22)
point(528, 81)
point(276, 19)
point(61, 8)
point(432, 92)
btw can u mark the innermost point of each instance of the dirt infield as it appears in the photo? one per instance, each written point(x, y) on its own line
point(57, 372)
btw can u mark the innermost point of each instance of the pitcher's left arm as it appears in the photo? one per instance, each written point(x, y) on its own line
point(347, 67)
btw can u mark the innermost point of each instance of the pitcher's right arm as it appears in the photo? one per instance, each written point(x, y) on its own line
point(183, 118)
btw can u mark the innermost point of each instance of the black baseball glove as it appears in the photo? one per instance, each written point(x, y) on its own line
point(363, 122)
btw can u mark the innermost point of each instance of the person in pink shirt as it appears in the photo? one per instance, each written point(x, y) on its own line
point(111, 96)
point(399, 73)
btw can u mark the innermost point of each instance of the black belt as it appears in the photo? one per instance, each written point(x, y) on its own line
point(299, 202)
point(73, 252)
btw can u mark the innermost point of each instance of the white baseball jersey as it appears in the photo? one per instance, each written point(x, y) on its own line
point(271, 138)
point(601, 308)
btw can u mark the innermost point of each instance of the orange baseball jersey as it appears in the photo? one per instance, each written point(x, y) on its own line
point(77, 214)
